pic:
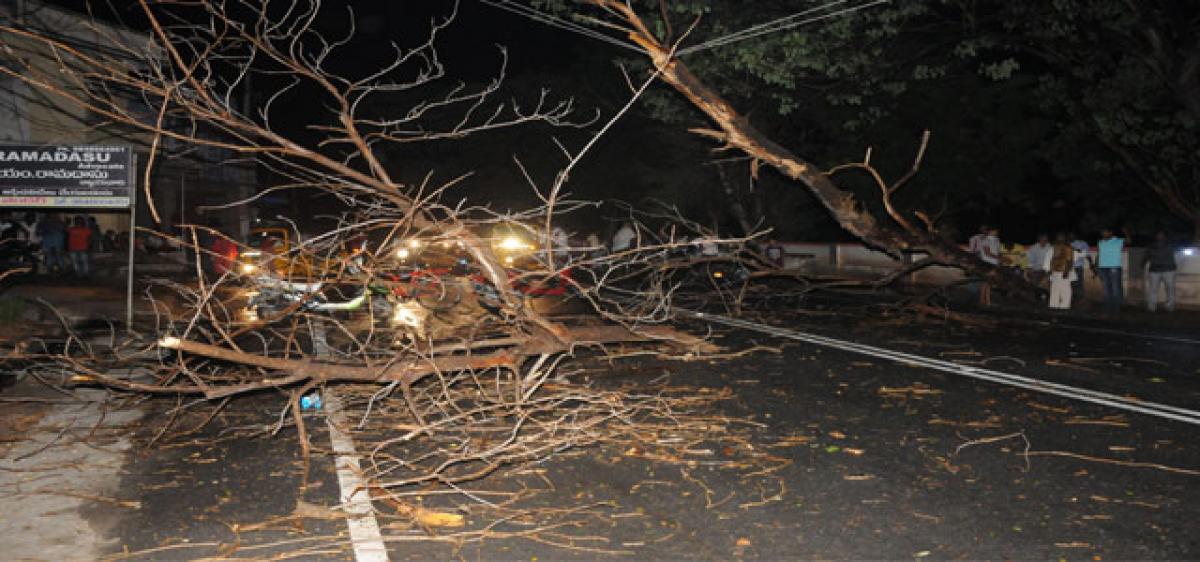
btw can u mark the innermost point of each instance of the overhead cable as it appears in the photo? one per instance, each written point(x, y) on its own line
point(554, 21)
point(780, 24)
point(1165, 411)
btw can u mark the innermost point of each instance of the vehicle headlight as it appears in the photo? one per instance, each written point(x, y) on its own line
point(512, 244)
point(1188, 251)
point(402, 253)
point(248, 268)
point(410, 314)
point(414, 243)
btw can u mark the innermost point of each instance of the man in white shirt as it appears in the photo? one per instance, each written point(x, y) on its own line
point(1038, 257)
point(988, 250)
point(624, 237)
point(1081, 254)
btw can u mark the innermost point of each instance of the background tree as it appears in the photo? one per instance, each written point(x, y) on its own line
point(1093, 100)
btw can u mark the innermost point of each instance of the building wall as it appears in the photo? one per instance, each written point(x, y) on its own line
point(29, 115)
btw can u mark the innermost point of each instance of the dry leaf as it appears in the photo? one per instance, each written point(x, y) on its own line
point(743, 541)
point(837, 435)
point(430, 518)
point(1073, 544)
point(855, 452)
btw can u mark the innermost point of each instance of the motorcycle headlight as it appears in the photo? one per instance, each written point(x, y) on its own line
point(248, 268)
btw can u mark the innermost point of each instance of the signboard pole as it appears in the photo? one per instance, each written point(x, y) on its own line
point(132, 246)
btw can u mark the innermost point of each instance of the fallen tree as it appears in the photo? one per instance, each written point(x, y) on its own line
point(409, 304)
point(896, 234)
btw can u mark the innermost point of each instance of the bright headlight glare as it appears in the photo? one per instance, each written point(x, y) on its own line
point(414, 243)
point(402, 253)
point(1188, 251)
point(408, 314)
point(248, 268)
point(512, 243)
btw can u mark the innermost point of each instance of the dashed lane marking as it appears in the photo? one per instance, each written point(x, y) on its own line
point(355, 496)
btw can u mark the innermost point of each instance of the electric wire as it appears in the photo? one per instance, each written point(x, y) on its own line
point(554, 21)
point(772, 23)
point(1165, 411)
point(781, 24)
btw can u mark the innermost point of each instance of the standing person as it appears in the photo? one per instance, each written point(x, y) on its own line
point(624, 237)
point(976, 242)
point(989, 252)
point(1160, 265)
point(1062, 269)
point(224, 251)
point(774, 253)
point(97, 237)
point(1037, 256)
point(28, 228)
point(1109, 252)
point(560, 245)
point(79, 240)
point(1081, 253)
point(594, 248)
point(53, 233)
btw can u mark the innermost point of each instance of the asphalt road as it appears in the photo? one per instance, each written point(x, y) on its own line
point(870, 459)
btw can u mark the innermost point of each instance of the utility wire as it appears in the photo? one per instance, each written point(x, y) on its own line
point(772, 23)
point(554, 21)
point(1129, 404)
point(781, 24)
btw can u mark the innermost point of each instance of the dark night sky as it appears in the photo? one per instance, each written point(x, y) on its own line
point(638, 157)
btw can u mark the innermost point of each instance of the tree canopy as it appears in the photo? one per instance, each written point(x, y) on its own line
point(1066, 111)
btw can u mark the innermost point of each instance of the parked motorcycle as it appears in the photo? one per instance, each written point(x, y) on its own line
point(18, 256)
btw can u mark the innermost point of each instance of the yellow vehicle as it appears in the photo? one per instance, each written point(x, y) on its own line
point(272, 250)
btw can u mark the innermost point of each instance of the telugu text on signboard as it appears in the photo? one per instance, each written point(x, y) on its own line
point(65, 176)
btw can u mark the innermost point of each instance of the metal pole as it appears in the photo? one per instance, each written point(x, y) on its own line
point(132, 244)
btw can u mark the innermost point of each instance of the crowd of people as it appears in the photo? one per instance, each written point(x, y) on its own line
point(1059, 265)
point(65, 242)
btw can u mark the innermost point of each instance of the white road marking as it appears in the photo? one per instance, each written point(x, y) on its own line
point(355, 496)
point(1128, 404)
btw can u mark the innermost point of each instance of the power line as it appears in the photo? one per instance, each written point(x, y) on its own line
point(554, 21)
point(772, 23)
point(1129, 404)
point(780, 24)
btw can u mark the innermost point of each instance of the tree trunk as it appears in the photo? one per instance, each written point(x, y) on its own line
point(736, 131)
